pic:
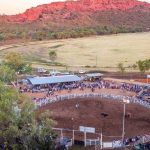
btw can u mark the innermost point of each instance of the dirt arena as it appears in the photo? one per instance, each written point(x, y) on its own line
point(89, 114)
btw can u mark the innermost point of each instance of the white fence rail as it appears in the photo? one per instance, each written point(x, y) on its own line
point(53, 99)
point(91, 142)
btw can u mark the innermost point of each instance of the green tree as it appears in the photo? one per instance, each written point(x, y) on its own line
point(2, 37)
point(143, 65)
point(147, 64)
point(6, 74)
point(15, 61)
point(26, 68)
point(121, 67)
point(53, 56)
point(23, 127)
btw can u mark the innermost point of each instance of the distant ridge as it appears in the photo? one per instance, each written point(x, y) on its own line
point(77, 19)
point(68, 7)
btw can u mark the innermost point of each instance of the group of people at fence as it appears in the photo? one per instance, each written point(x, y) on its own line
point(55, 89)
point(138, 142)
point(82, 85)
point(44, 101)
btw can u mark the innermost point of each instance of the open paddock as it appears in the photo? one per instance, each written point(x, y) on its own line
point(104, 52)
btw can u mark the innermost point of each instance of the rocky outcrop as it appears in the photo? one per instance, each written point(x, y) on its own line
point(66, 8)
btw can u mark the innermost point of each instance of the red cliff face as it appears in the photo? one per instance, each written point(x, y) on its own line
point(88, 6)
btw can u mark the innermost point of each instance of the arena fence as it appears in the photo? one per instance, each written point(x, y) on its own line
point(54, 99)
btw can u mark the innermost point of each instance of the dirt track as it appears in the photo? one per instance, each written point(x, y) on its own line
point(89, 114)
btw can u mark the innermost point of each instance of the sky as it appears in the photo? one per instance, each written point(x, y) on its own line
point(10, 7)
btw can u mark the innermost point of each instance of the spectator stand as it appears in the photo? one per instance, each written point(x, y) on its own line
point(53, 79)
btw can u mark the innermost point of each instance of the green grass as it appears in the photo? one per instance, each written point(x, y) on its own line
point(109, 50)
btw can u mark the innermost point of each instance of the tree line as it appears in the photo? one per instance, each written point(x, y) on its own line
point(42, 34)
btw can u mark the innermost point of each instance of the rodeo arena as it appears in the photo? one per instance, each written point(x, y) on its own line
point(93, 111)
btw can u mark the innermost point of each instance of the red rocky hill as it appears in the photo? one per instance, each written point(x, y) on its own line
point(102, 16)
point(86, 6)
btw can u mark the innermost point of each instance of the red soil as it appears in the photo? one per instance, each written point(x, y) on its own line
point(89, 114)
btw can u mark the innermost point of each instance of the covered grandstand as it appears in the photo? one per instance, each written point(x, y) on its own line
point(53, 79)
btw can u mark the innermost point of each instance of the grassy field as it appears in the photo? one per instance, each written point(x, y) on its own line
point(104, 52)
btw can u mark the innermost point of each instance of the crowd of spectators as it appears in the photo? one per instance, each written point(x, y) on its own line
point(53, 90)
point(139, 142)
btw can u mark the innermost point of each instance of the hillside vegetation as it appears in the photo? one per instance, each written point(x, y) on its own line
point(72, 19)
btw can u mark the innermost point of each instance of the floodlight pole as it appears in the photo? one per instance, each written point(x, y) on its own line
point(123, 123)
point(102, 128)
point(123, 120)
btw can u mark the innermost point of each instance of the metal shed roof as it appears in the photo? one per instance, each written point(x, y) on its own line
point(54, 79)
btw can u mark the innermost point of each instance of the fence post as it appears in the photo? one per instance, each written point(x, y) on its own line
point(101, 141)
point(73, 136)
point(84, 138)
point(61, 133)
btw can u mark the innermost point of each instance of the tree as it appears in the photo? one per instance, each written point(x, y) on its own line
point(134, 66)
point(143, 65)
point(21, 125)
point(2, 37)
point(6, 74)
point(26, 69)
point(121, 68)
point(52, 56)
point(15, 61)
point(147, 64)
